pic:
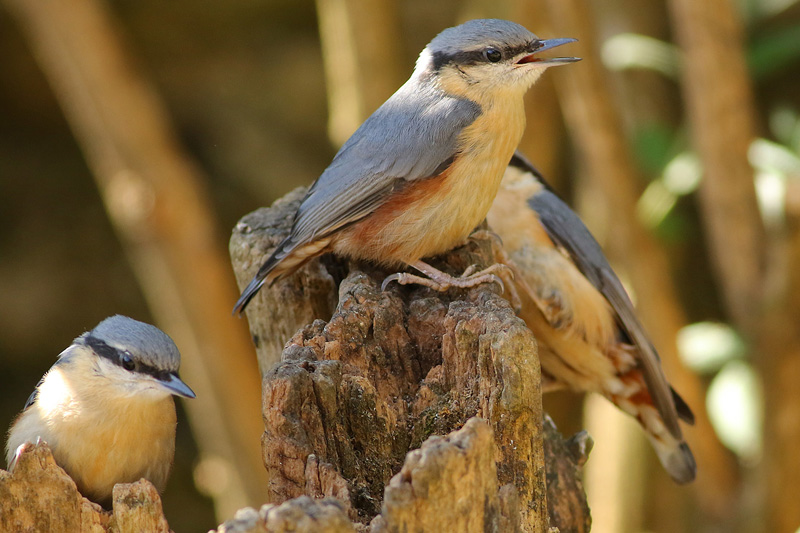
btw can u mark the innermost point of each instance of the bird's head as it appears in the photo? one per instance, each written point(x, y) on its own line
point(133, 359)
point(487, 56)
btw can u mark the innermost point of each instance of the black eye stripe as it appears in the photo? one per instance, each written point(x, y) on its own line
point(469, 57)
point(119, 357)
point(101, 348)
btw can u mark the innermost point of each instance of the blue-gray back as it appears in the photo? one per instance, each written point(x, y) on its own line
point(568, 231)
point(412, 136)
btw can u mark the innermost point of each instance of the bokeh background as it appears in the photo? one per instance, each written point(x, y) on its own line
point(135, 133)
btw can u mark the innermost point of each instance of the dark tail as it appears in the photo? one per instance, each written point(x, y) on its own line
point(261, 276)
point(247, 294)
point(678, 462)
point(684, 412)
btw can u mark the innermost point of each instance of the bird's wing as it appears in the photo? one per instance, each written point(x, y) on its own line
point(414, 135)
point(34, 395)
point(567, 230)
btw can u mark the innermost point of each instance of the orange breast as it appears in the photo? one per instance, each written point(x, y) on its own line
point(393, 233)
point(431, 216)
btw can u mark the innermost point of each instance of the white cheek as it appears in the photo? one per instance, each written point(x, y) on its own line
point(123, 383)
point(152, 391)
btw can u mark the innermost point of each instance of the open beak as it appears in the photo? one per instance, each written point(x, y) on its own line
point(547, 45)
point(177, 387)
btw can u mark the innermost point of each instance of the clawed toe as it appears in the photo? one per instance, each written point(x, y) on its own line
point(404, 278)
point(391, 278)
point(469, 271)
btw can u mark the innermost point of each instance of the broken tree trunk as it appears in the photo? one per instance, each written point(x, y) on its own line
point(40, 496)
point(404, 410)
point(353, 381)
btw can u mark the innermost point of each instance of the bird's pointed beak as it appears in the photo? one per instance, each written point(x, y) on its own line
point(177, 387)
point(547, 44)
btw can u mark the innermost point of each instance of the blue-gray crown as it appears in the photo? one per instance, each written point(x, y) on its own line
point(147, 344)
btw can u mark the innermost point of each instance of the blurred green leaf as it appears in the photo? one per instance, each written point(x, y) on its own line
point(655, 203)
point(632, 50)
point(784, 123)
point(766, 155)
point(653, 146)
point(681, 176)
point(706, 346)
point(683, 173)
point(734, 404)
point(773, 51)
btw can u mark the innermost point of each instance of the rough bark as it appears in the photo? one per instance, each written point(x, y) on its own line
point(40, 496)
point(357, 388)
point(301, 515)
point(566, 502)
point(449, 484)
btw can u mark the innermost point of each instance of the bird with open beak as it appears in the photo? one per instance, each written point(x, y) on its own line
point(421, 173)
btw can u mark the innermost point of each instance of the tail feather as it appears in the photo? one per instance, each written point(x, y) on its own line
point(261, 276)
point(672, 451)
point(247, 294)
point(676, 458)
point(684, 411)
point(287, 257)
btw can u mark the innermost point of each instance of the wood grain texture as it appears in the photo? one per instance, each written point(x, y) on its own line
point(357, 388)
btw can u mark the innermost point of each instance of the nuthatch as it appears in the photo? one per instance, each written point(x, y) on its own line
point(589, 336)
point(105, 408)
point(420, 173)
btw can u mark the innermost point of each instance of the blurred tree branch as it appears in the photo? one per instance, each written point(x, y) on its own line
point(778, 358)
point(597, 129)
point(759, 274)
point(155, 197)
point(362, 61)
point(720, 110)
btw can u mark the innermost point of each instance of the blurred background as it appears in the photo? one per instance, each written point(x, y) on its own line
point(135, 133)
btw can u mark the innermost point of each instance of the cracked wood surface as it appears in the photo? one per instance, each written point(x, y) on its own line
point(355, 380)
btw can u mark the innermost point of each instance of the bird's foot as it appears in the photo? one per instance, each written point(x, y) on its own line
point(487, 234)
point(440, 281)
point(507, 275)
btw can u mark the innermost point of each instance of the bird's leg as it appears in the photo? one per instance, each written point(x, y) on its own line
point(440, 281)
point(507, 275)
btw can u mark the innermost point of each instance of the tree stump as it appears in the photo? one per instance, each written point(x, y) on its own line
point(385, 411)
point(40, 496)
point(354, 380)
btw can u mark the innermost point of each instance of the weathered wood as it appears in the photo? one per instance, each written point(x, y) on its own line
point(40, 496)
point(276, 314)
point(566, 501)
point(369, 375)
point(301, 515)
point(440, 482)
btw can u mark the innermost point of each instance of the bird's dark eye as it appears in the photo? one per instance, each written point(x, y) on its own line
point(493, 55)
point(127, 361)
